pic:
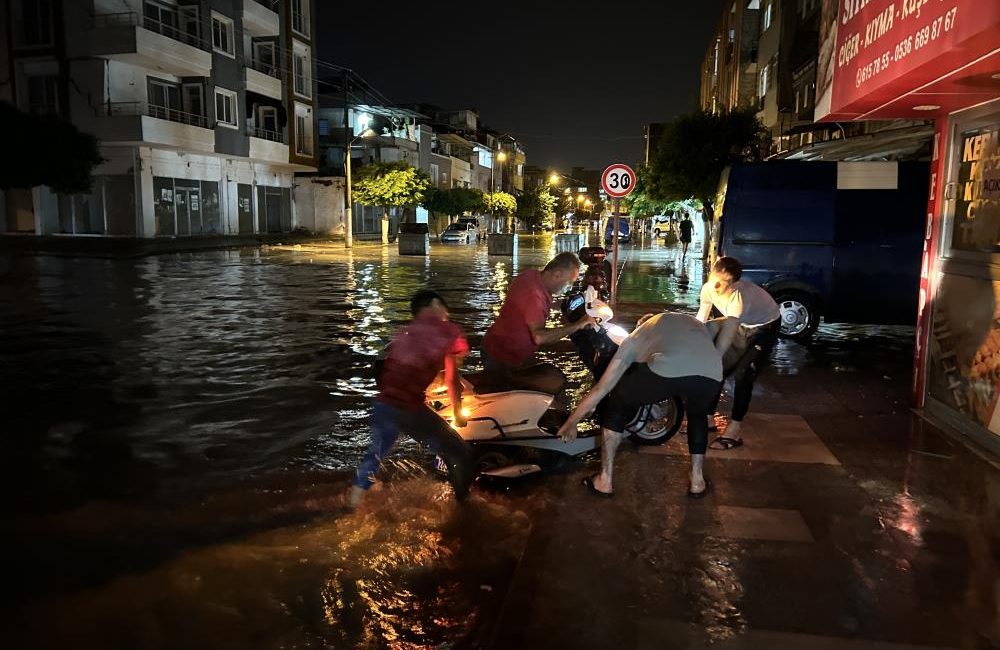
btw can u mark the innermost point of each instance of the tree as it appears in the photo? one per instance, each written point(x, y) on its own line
point(453, 202)
point(394, 184)
point(46, 150)
point(536, 206)
point(500, 203)
point(694, 150)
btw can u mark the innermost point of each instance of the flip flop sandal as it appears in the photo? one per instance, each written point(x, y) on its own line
point(589, 482)
point(699, 495)
point(722, 443)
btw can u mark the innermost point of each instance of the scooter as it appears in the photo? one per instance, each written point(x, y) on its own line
point(513, 432)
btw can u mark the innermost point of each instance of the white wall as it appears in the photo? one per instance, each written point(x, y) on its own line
point(319, 204)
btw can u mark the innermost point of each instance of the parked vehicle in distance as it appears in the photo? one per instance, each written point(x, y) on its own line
point(837, 240)
point(460, 233)
point(624, 230)
point(661, 224)
point(476, 223)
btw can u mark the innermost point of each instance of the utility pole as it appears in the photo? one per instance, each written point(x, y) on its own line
point(348, 199)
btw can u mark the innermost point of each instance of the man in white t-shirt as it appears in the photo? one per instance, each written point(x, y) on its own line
point(760, 321)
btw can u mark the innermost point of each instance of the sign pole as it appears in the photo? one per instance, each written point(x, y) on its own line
point(614, 255)
point(617, 181)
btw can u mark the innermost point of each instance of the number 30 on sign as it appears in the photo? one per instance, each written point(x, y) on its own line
point(618, 180)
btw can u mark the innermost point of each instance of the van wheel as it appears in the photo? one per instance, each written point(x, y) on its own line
point(799, 314)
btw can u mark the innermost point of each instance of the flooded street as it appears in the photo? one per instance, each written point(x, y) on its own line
point(180, 430)
point(149, 375)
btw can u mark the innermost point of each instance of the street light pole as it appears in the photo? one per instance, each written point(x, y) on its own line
point(348, 192)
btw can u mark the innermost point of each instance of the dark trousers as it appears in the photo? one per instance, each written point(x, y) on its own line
point(766, 337)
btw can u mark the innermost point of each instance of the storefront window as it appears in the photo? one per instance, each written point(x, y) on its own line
point(210, 208)
point(976, 225)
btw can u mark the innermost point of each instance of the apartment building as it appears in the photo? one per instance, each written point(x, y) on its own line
point(204, 109)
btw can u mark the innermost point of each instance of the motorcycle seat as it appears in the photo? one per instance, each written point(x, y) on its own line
point(542, 378)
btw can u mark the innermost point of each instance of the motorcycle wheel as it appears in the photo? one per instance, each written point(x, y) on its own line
point(666, 421)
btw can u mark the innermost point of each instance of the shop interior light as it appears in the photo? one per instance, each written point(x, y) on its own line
point(926, 107)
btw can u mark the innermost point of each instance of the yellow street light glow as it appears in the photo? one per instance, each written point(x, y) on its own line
point(553, 179)
point(501, 156)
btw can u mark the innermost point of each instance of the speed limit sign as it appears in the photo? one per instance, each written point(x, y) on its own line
point(618, 180)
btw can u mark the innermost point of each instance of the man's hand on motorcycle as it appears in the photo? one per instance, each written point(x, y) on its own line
point(587, 321)
point(459, 420)
point(568, 431)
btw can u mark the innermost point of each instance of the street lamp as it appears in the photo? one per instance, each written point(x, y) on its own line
point(348, 211)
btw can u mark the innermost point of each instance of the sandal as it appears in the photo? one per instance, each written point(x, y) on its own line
point(699, 495)
point(589, 482)
point(722, 443)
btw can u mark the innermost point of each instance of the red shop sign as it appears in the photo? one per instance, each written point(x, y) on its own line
point(888, 48)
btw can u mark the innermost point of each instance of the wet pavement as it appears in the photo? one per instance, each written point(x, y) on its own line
point(182, 426)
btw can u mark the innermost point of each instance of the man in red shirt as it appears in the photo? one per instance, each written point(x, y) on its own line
point(416, 355)
point(511, 342)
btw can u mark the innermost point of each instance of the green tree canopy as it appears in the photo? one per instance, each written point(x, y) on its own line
point(46, 150)
point(453, 202)
point(696, 148)
point(536, 206)
point(501, 203)
point(394, 184)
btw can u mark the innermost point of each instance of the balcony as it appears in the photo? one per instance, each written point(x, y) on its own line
point(268, 146)
point(264, 79)
point(139, 123)
point(150, 44)
point(260, 17)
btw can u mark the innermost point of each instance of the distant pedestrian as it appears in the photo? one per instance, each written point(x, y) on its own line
point(416, 355)
point(760, 321)
point(686, 228)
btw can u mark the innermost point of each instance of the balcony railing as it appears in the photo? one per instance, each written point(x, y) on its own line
point(270, 4)
point(153, 110)
point(132, 19)
point(264, 134)
point(267, 68)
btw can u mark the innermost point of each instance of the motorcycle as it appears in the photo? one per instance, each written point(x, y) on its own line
point(513, 432)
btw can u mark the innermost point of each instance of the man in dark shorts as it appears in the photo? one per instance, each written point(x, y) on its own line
point(686, 227)
point(667, 355)
point(416, 355)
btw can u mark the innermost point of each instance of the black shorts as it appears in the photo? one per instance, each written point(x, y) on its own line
point(640, 386)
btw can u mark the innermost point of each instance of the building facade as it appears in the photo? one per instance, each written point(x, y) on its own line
point(204, 111)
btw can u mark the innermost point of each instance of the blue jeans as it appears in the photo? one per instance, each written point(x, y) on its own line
point(387, 422)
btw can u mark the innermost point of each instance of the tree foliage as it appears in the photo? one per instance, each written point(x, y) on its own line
point(453, 202)
point(500, 203)
point(696, 148)
point(394, 184)
point(46, 150)
point(536, 206)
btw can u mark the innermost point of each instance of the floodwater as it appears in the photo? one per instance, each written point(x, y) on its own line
point(179, 428)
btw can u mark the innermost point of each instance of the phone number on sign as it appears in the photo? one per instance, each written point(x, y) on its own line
point(923, 36)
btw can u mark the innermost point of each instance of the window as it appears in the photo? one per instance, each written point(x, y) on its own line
point(485, 157)
point(43, 94)
point(34, 18)
point(267, 120)
point(225, 108)
point(764, 81)
point(301, 68)
point(435, 174)
point(222, 34)
point(300, 17)
point(193, 96)
point(164, 99)
point(159, 18)
point(767, 16)
point(264, 57)
point(303, 130)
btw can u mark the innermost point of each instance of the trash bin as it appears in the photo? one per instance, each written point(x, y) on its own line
point(502, 244)
point(413, 238)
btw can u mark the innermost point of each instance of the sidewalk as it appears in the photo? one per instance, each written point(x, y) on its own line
point(844, 522)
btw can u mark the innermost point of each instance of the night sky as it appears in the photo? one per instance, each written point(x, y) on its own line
point(574, 85)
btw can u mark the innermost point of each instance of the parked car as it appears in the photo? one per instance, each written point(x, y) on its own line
point(460, 233)
point(474, 221)
point(624, 231)
point(661, 224)
point(832, 239)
